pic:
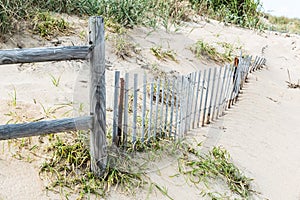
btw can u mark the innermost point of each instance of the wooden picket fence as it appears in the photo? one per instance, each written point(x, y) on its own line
point(96, 121)
point(171, 106)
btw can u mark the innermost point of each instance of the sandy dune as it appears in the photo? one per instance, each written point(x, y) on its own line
point(261, 131)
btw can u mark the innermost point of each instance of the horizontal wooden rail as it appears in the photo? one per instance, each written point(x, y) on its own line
point(31, 55)
point(11, 131)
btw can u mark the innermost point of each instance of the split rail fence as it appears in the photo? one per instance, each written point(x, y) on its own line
point(96, 121)
point(170, 107)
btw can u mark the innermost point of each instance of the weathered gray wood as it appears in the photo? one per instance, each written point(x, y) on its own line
point(11, 131)
point(217, 92)
point(227, 92)
point(125, 125)
point(98, 96)
point(156, 106)
point(222, 89)
point(235, 88)
point(177, 107)
point(14, 56)
point(188, 95)
point(162, 106)
point(181, 114)
point(144, 106)
point(201, 98)
point(167, 105)
point(135, 97)
point(185, 105)
point(196, 100)
point(211, 96)
point(150, 111)
point(116, 113)
point(120, 111)
point(206, 97)
point(193, 81)
point(172, 107)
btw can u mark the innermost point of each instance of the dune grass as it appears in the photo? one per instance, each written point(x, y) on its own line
point(283, 24)
point(129, 13)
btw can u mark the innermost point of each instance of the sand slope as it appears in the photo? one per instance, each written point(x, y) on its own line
point(260, 132)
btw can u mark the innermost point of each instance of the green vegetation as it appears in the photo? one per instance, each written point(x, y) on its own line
point(122, 47)
point(127, 13)
point(225, 53)
point(13, 96)
point(245, 13)
point(48, 26)
point(69, 167)
point(55, 81)
point(163, 54)
point(215, 165)
point(282, 24)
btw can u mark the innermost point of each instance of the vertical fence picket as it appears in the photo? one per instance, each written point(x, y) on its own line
point(115, 114)
point(206, 96)
point(167, 107)
point(162, 107)
point(172, 107)
point(120, 111)
point(188, 95)
point(217, 92)
point(135, 97)
point(211, 95)
point(177, 107)
point(150, 112)
point(222, 90)
point(181, 114)
point(236, 82)
point(192, 100)
point(228, 84)
point(198, 75)
point(125, 125)
point(201, 98)
point(156, 106)
point(144, 109)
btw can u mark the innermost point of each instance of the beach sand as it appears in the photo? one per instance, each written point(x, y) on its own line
point(261, 131)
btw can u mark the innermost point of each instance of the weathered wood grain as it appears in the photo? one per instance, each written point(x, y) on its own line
point(11, 131)
point(98, 96)
point(14, 56)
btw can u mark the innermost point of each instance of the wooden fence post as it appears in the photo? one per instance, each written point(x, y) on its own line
point(97, 96)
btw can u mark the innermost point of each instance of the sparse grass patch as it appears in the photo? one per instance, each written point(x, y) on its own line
point(69, 167)
point(225, 52)
point(163, 54)
point(122, 47)
point(216, 164)
point(48, 26)
point(283, 24)
point(55, 81)
point(204, 50)
point(13, 97)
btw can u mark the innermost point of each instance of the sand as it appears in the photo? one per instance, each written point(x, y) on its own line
point(260, 132)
